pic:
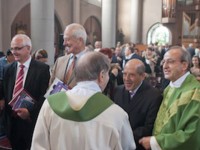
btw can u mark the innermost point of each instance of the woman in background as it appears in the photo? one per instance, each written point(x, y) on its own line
point(41, 55)
point(115, 73)
point(195, 69)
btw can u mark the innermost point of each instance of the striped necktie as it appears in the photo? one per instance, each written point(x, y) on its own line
point(70, 69)
point(19, 82)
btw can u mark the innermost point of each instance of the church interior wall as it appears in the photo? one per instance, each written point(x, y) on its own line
point(152, 13)
point(9, 11)
point(123, 18)
point(88, 10)
point(63, 10)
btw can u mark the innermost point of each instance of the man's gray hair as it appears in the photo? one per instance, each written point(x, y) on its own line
point(78, 31)
point(185, 55)
point(26, 41)
point(140, 68)
point(90, 65)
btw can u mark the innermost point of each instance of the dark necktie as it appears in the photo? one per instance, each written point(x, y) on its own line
point(132, 93)
point(19, 82)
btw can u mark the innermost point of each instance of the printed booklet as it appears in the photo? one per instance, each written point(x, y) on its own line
point(56, 86)
point(22, 100)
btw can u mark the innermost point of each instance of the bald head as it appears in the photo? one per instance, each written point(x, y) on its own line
point(134, 74)
point(136, 64)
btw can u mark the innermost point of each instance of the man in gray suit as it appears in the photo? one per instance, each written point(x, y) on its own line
point(74, 42)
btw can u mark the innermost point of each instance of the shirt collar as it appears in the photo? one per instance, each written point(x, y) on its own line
point(136, 88)
point(78, 55)
point(179, 81)
point(26, 64)
point(129, 56)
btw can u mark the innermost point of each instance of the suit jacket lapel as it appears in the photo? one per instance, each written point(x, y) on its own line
point(125, 100)
point(13, 75)
point(136, 98)
point(30, 72)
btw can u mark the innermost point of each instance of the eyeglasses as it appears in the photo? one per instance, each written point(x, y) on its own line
point(17, 48)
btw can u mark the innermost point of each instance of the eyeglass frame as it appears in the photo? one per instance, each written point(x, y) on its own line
point(17, 48)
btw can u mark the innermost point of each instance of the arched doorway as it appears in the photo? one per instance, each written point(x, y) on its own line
point(22, 24)
point(159, 34)
point(93, 29)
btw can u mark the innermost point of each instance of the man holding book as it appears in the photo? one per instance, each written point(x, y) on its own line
point(74, 42)
point(31, 77)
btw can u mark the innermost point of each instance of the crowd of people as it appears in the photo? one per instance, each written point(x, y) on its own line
point(118, 98)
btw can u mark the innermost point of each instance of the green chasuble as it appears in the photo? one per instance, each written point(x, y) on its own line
point(177, 126)
point(96, 104)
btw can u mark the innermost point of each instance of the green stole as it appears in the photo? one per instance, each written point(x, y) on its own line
point(95, 105)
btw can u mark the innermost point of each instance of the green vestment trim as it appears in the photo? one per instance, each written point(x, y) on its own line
point(95, 105)
point(177, 125)
point(172, 101)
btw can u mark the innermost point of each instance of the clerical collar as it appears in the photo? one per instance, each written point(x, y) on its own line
point(179, 81)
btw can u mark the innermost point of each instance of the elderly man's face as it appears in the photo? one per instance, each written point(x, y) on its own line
point(131, 77)
point(173, 67)
point(71, 43)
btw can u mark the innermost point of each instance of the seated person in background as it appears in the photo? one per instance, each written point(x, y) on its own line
point(197, 75)
point(195, 69)
point(83, 118)
point(195, 64)
point(41, 55)
point(115, 73)
point(139, 99)
point(97, 46)
point(151, 58)
point(9, 58)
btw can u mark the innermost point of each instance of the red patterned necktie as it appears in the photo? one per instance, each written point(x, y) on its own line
point(19, 81)
point(70, 70)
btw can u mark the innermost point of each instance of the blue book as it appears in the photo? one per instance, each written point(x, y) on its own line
point(22, 100)
point(56, 86)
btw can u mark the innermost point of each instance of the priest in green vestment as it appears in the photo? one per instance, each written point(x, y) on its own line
point(177, 126)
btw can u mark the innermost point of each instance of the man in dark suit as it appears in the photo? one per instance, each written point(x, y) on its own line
point(21, 121)
point(191, 50)
point(131, 54)
point(139, 99)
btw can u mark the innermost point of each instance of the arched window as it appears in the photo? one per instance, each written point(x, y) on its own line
point(159, 34)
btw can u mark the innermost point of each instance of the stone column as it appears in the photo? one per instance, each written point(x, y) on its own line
point(76, 11)
point(108, 23)
point(42, 26)
point(136, 21)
